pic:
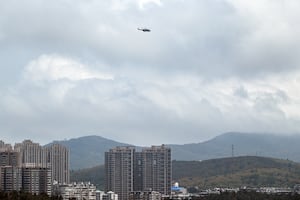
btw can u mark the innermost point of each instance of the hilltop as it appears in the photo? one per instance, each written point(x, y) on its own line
point(88, 151)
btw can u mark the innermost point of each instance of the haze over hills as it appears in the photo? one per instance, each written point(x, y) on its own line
point(89, 151)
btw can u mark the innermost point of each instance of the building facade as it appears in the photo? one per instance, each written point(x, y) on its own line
point(10, 178)
point(129, 171)
point(119, 171)
point(28, 179)
point(108, 196)
point(78, 191)
point(55, 157)
point(10, 158)
point(32, 154)
point(36, 180)
point(33, 168)
point(145, 195)
point(157, 169)
point(5, 147)
point(58, 159)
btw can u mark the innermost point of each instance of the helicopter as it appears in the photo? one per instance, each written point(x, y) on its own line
point(144, 29)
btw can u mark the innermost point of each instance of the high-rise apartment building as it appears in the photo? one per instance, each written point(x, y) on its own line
point(55, 157)
point(128, 170)
point(119, 171)
point(36, 180)
point(32, 154)
point(5, 147)
point(138, 171)
point(157, 169)
point(10, 158)
point(10, 172)
point(58, 157)
point(10, 178)
point(33, 168)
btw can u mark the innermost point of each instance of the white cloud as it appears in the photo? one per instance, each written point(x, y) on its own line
point(149, 104)
point(54, 67)
point(143, 3)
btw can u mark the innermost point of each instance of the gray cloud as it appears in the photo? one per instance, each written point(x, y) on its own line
point(241, 92)
point(72, 68)
point(214, 38)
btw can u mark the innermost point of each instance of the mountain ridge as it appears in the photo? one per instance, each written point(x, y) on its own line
point(88, 151)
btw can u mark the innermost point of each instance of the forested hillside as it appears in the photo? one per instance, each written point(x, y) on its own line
point(237, 171)
point(223, 172)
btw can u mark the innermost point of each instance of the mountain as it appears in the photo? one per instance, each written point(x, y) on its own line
point(223, 172)
point(89, 151)
point(268, 145)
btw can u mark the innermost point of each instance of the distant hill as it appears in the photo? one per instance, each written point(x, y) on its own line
point(226, 172)
point(89, 151)
point(251, 144)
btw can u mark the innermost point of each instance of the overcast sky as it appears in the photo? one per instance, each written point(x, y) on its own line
point(72, 68)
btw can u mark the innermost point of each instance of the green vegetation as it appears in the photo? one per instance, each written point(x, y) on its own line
point(25, 196)
point(225, 172)
point(237, 171)
point(94, 175)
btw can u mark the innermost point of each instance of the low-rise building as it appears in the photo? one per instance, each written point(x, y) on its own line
point(110, 196)
point(76, 191)
point(145, 195)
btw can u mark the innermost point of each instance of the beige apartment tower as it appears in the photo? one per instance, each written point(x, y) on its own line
point(32, 154)
point(58, 159)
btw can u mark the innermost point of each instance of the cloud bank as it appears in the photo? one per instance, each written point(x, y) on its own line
point(73, 68)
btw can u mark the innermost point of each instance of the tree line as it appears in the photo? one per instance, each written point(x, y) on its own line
point(247, 195)
point(26, 196)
